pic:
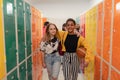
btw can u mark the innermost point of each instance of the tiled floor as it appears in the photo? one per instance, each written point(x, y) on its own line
point(45, 75)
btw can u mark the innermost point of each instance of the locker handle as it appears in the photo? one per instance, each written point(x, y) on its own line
point(25, 46)
point(6, 31)
point(18, 30)
point(14, 7)
point(22, 68)
point(109, 51)
point(114, 30)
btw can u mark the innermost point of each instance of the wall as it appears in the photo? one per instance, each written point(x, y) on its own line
point(57, 21)
point(63, 9)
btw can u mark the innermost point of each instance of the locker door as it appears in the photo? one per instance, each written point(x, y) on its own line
point(97, 68)
point(99, 28)
point(20, 26)
point(107, 27)
point(115, 75)
point(10, 38)
point(116, 36)
point(28, 27)
point(22, 71)
point(2, 55)
point(13, 75)
point(29, 68)
point(105, 69)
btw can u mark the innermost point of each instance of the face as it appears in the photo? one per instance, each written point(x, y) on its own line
point(70, 26)
point(52, 30)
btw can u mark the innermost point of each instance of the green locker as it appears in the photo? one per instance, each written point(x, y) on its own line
point(20, 30)
point(29, 68)
point(10, 38)
point(28, 27)
point(22, 71)
point(13, 75)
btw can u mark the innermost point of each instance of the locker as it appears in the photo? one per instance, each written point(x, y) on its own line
point(22, 71)
point(90, 31)
point(13, 75)
point(99, 28)
point(107, 27)
point(116, 37)
point(2, 53)
point(105, 69)
point(28, 28)
point(29, 68)
point(97, 68)
point(20, 30)
point(37, 66)
point(10, 35)
point(33, 20)
point(115, 75)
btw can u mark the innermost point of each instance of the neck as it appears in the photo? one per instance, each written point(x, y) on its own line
point(51, 36)
point(71, 33)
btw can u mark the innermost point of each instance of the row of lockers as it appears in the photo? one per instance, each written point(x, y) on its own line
point(88, 25)
point(15, 31)
point(107, 41)
point(101, 26)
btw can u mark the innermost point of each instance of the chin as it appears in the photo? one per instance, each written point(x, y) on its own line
point(70, 31)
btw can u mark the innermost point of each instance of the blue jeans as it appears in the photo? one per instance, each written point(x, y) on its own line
point(53, 62)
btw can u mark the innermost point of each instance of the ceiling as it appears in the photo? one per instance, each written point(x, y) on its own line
point(63, 8)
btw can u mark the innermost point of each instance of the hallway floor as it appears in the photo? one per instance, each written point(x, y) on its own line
point(45, 75)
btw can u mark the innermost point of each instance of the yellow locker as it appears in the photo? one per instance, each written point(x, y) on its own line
point(2, 56)
point(91, 24)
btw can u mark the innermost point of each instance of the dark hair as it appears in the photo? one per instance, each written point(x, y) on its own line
point(64, 25)
point(70, 19)
point(46, 23)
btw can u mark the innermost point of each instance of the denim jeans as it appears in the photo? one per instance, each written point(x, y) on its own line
point(53, 62)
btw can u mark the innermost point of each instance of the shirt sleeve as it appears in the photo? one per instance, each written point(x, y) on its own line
point(42, 46)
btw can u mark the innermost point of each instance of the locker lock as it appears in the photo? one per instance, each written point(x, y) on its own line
point(22, 68)
point(12, 77)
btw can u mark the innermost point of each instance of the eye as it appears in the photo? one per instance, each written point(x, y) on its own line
point(70, 24)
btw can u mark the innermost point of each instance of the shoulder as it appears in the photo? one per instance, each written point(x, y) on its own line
point(81, 38)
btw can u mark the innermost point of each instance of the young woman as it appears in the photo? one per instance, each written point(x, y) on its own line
point(70, 43)
point(49, 47)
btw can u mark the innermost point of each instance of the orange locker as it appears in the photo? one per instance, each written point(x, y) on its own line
point(115, 75)
point(107, 27)
point(116, 37)
point(36, 36)
point(97, 68)
point(34, 29)
point(99, 28)
point(105, 70)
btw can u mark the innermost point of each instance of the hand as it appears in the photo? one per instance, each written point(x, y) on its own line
point(86, 64)
point(44, 65)
point(77, 33)
point(81, 52)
